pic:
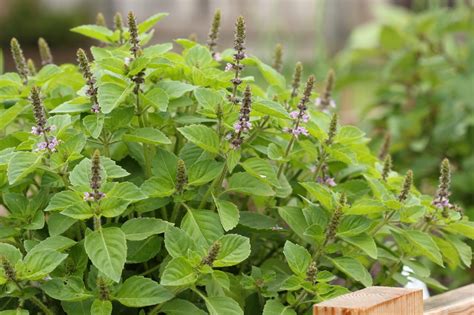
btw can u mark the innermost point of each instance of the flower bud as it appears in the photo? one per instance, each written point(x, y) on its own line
point(214, 31)
point(31, 66)
point(8, 269)
point(387, 167)
point(332, 129)
point(385, 148)
point(38, 109)
point(239, 35)
point(100, 20)
point(181, 176)
point(19, 59)
point(103, 288)
point(278, 58)
point(406, 186)
point(311, 272)
point(211, 254)
point(45, 52)
point(134, 40)
point(296, 79)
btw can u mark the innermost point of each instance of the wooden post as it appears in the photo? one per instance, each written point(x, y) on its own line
point(458, 301)
point(374, 301)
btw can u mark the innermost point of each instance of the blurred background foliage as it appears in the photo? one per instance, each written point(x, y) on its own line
point(403, 67)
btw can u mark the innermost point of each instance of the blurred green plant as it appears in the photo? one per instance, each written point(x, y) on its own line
point(421, 68)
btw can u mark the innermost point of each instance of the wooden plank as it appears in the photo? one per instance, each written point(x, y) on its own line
point(454, 302)
point(374, 301)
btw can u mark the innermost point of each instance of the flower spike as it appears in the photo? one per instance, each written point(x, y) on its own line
point(45, 52)
point(19, 59)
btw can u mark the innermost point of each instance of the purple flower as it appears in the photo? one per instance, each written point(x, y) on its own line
point(95, 108)
point(294, 114)
point(53, 143)
point(305, 118)
point(330, 181)
point(41, 146)
point(300, 130)
point(229, 67)
point(36, 131)
point(217, 56)
point(326, 180)
point(92, 196)
point(442, 203)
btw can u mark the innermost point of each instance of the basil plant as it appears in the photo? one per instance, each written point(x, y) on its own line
point(146, 181)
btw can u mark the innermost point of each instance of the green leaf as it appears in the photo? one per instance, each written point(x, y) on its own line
point(93, 125)
point(70, 289)
point(157, 98)
point(81, 174)
point(177, 242)
point(39, 263)
point(77, 308)
point(465, 228)
point(199, 57)
point(95, 31)
point(11, 253)
point(21, 165)
point(139, 291)
point(126, 191)
point(320, 193)
point(202, 172)
point(202, 136)
point(141, 228)
point(364, 242)
point(247, 184)
point(228, 213)
point(179, 272)
point(146, 135)
point(348, 135)
point(79, 104)
point(9, 115)
point(100, 307)
point(352, 225)
point(202, 226)
point(107, 249)
point(146, 25)
point(366, 206)
point(256, 220)
point(218, 305)
point(274, 307)
point(208, 98)
point(271, 75)
point(142, 251)
point(262, 170)
point(58, 243)
point(425, 244)
point(353, 268)
point(111, 95)
point(464, 250)
point(17, 311)
point(157, 50)
point(181, 307)
point(295, 218)
point(175, 89)
point(270, 108)
point(233, 250)
point(391, 38)
point(137, 65)
point(298, 258)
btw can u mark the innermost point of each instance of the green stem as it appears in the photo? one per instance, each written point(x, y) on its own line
point(147, 272)
point(287, 151)
point(143, 123)
point(40, 305)
point(175, 213)
point(216, 183)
